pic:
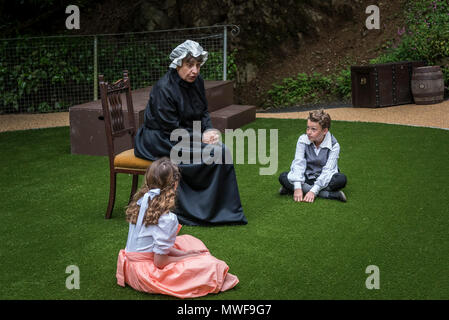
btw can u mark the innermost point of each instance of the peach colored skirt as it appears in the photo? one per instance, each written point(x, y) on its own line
point(189, 278)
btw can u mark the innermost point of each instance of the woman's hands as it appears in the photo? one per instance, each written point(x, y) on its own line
point(211, 136)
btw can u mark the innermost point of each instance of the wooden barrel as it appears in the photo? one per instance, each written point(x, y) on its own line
point(427, 85)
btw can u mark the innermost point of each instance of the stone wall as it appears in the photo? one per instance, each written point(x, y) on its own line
point(265, 25)
point(260, 20)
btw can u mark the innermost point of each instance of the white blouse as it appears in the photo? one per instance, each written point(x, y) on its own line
point(158, 238)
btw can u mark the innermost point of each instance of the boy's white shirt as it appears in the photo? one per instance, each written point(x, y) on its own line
point(298, 167)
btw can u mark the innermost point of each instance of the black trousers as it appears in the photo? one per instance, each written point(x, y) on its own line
point(338, 181)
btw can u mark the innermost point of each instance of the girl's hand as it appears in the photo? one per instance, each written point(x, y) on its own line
point(180, 253)
point(197, 251)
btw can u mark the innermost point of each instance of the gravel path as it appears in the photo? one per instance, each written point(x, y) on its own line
point(435, 116)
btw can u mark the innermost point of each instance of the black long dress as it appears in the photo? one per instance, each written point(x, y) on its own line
point(207, 193)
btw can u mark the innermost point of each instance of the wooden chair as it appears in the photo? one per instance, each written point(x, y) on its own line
point(114, 122)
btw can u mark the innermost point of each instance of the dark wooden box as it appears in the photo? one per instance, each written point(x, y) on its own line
point(382, 85)
point(87, 132)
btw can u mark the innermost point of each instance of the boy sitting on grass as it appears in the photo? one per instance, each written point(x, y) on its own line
point(314, 171)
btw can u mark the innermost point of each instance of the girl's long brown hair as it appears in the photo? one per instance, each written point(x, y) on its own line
point(162, 174)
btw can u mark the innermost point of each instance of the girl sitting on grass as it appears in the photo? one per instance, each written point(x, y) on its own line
point(156, 260)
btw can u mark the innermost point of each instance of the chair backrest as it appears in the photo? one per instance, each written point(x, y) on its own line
point(114, 111)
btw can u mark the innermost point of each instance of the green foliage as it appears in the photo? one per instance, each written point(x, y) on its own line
point(24, 79)
point(342, 84)
point(309, 89)
point(213, 69)
point(231, 64)
point(145, 62)
point(52, 74)
point(425, 36)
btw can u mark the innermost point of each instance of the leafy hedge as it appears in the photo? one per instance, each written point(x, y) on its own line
point(424, 37)
point(52, 74)
point(310, 89)
point(28, 69)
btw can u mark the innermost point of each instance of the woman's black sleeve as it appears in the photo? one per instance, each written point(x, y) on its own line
point(167, 111)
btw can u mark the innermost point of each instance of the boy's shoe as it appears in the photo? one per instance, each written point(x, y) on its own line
point(283, 191)
point(341, 196)
point(337, 195)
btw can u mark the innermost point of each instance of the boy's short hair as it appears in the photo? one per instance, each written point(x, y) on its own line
point(322, 117)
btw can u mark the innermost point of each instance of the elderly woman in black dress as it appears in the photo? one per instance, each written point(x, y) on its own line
point(208, 192)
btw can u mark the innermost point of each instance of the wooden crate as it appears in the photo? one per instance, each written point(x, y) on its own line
point(382, 85)
point(87, 132)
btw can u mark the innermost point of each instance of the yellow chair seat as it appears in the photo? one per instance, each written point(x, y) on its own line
point(127, 160)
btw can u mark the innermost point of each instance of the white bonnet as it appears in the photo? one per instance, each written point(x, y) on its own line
point(181, 51)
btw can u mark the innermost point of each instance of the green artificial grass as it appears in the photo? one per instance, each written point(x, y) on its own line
point(52, 207)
